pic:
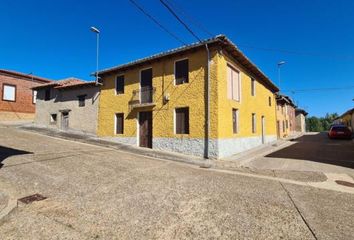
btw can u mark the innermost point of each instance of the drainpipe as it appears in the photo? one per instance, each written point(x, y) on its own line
point(207, 121)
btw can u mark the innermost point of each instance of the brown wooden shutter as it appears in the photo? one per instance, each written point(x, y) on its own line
point(182, 121)
point(119, 123)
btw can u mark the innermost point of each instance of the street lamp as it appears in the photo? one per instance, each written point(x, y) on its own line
point(279, 65)
point(95, 30)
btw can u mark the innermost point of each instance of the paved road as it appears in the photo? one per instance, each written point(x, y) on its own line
point(311, 152)
point(100, 193)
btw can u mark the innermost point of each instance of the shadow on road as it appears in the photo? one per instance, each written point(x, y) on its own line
point(6, 152)
point(319, 148)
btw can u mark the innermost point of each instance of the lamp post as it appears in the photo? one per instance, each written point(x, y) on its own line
point(95, 30)
point(279, 65)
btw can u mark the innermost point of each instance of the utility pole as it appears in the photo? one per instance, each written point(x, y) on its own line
point(95, 30)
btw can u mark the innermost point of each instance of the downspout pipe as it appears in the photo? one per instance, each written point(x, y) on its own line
point(207, 117)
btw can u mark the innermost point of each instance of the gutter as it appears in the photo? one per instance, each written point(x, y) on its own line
point(207, 118)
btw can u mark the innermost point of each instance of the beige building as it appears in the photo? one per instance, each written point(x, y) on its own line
point(285, 116)
point(300, 118)
point(69, 104)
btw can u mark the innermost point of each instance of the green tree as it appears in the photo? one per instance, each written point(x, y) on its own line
point(315, 124)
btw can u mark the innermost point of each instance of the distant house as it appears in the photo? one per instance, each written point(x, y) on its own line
point(69, 104)
point(286, 123)
point(347, 118)
point(18, 100)
point(300, 116)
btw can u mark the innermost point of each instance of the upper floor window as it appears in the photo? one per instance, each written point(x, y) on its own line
point(120, 84)
point(181, 71)
point(269, 101)
point(233, 84)
point(253, 87)
point(34, 96)
point(182, 120)
point(81, 99)
point(47, 94)
point(9, 92)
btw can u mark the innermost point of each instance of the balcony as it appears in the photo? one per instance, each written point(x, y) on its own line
point(142, 98)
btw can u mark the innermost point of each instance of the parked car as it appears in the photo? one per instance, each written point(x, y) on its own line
point(340, 131)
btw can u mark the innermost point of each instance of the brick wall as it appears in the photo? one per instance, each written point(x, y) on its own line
point(23, 102)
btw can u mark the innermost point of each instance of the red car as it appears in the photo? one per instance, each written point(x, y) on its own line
point(342, 132)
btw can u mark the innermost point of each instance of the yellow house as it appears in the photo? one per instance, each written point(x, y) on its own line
point(286, 117)
point(347, 119)
point(205, 99)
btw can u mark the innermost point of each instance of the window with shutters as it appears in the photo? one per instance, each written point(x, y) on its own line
point(253, 87)
point(182, 120)
point(9, 92)
point(120, 85)
point(119, 123)
point(254, 121)
point(235, 120)
point(233, 84)
point(181, 71)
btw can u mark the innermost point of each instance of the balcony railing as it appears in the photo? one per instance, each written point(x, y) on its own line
point(143, 97)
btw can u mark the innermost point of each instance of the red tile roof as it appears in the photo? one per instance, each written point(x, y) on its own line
point(24, 76)
point(65, 83)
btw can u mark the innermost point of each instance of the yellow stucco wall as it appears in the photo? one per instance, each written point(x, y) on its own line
point(191, 94)
point(248, 104)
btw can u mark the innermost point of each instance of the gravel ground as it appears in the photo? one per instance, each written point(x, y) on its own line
point(100, 193)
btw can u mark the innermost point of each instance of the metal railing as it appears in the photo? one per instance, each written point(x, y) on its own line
point(144, 95)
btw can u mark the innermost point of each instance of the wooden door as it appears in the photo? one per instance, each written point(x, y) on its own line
point(65, 120)
point(145, 129)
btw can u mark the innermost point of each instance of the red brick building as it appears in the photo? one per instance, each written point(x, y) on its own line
point(17, 99)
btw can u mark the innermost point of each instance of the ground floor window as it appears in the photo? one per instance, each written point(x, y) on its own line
point(53, 118)
point(254, 120)
point(182, 120)
point(235, 120)
point(9, 93)
point(119, 123)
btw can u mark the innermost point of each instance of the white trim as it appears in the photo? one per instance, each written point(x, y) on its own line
point(115, 84)
point(174, 70)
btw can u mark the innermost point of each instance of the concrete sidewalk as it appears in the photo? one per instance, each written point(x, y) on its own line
point(92, 139)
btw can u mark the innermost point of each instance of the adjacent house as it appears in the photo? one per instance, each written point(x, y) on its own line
point(286, 123)
point(300, 116)
point(69, 104)
point(206, 99)
point(347, 119)
point(18, 100)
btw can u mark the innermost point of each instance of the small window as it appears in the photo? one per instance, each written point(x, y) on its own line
point(254, 120)
point(9, 93)
point(283, 126)
point(120, 84)
point(181, 72)
point(47, 95)
point(182, 121)
point(235, 120)
point(81, 99)
point(269, 101)
point(253, 87)
point(119, 123)
point(34, 96)
point(53, 118)
point(287, 124)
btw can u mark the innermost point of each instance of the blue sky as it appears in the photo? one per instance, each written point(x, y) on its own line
point(52, 39)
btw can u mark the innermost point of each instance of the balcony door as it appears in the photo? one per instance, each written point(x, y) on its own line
point(146, 86)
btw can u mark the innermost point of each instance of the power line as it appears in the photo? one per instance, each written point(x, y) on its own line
point(180, 20)
point(156, 22)
point(319, 89)
point(193, 20)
